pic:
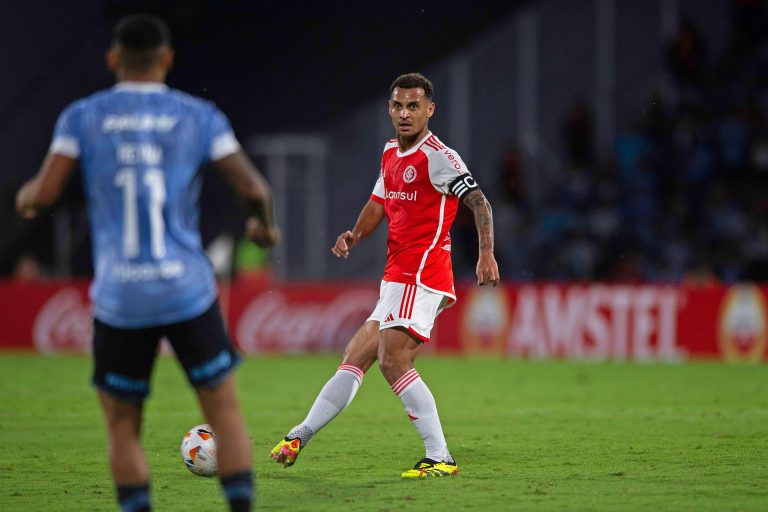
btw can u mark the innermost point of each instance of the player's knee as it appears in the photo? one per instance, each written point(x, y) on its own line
point(218, 401)
point(217, 398)
point(124, 422)
point(392, 364)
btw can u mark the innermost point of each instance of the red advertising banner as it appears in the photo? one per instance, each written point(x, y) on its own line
point(290, 318)
point(46, 316)
point(541, 320)
point(616, 322)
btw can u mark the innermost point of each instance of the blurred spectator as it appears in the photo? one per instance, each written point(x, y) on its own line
point(579, 136)
point(251, 261)
point(27, 269)
point(686, 55)
point(734, 133)
point(513, 189)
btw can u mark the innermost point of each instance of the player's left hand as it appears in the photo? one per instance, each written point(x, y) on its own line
point(29, 213)
point(23, 204)
point(261, 235)
point(487, 269)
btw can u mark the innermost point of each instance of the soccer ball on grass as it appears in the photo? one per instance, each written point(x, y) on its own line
point(198, 451)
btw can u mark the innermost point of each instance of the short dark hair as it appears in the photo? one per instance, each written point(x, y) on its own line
point(139, 36)
point(412, 81)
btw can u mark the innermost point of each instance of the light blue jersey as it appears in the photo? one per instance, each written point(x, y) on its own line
point(141, 147)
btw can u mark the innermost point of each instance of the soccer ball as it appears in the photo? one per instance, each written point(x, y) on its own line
point(198, 451)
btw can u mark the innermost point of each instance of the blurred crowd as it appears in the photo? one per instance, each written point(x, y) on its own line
point(683, 195)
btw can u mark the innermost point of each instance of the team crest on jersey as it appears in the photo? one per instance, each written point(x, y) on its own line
point(409, 174)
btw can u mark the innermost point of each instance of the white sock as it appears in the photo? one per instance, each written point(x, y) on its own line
point(335, 396)
point(422, 411)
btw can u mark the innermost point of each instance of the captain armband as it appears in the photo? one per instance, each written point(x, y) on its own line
point(463, 185)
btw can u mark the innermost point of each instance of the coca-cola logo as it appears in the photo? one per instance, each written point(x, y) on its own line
point(64, 324)
point(272, 322)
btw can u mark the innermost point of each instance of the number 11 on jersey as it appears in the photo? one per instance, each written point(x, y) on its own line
point(155, 182)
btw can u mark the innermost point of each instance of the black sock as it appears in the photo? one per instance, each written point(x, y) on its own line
point(238, 489)
point(134, 498)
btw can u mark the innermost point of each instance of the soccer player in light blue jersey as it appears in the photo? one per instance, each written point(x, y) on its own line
point(141, 147)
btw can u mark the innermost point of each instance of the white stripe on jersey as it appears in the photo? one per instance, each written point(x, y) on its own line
point(390, 144)
point(67, 146)
point(223, 145)
point(434, 243)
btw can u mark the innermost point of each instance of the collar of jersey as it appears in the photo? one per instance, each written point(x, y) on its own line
point(145, 87)
point(415, 146)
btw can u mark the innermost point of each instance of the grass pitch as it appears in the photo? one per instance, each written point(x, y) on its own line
point(526, 435)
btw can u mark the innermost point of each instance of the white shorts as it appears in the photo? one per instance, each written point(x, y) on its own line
point(409, 306)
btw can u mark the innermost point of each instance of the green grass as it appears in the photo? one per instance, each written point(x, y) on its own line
point(527, 436)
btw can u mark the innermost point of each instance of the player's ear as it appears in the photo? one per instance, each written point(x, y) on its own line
point(431, 109)
point(166, 58)
point(112, 58)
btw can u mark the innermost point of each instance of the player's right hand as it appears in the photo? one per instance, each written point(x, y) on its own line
point(29, 213)
point(487, 269)
point(344, 242)
point(23, 203)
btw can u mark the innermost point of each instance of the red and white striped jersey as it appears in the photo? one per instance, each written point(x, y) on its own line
point(420, 191)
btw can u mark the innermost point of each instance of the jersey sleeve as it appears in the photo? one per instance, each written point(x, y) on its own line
point(66, 134)
point(378, 189)
point(222, 140)
point(449, 174)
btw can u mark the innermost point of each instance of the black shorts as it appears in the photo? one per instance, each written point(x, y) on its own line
point(124, 358)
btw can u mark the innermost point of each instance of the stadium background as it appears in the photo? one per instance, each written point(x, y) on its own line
point(623, 146)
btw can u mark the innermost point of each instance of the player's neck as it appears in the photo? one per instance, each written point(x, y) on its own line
point(405, 143)
point(154, 76)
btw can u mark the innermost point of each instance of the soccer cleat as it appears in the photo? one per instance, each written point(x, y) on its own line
point(428, 467)
point(286, 451)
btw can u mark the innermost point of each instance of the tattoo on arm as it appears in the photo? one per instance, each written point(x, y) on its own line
point(481, 209)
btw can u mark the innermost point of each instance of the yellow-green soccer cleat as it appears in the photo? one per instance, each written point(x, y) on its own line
point(286, 451)
point(428, 467)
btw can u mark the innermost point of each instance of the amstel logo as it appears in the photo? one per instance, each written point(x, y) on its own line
point(409, 174)
point(742, 334)
point(484, 320)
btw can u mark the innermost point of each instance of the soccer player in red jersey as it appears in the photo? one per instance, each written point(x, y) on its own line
point(418, 191)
